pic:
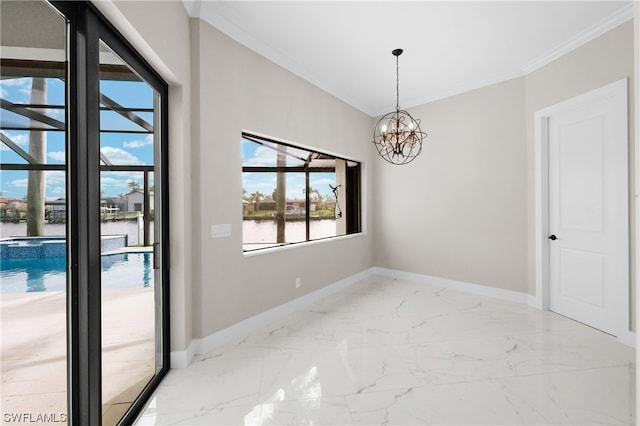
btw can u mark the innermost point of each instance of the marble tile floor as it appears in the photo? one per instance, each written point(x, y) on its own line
point(392, 352)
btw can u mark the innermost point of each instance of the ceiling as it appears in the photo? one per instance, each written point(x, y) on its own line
point(449, 47)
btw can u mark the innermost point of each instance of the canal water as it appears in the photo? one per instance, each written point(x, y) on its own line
point(59, 229)
point(254, 232)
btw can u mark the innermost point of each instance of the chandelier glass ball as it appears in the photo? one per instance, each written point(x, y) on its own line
point(397, 136)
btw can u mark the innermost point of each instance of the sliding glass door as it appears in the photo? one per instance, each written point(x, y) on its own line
point(129, 146)
point(33, 244)
point(84, 198)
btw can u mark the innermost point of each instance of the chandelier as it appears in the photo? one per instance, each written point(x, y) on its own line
point(397, 136)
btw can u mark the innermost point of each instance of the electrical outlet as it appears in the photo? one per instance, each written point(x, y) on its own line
point(298, 282)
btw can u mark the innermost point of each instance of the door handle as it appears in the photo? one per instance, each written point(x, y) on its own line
point(553, 237)
point(156, 264)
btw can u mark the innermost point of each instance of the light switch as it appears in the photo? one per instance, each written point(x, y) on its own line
point(222, 230)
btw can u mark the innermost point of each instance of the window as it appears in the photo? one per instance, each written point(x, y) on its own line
point(292, 194)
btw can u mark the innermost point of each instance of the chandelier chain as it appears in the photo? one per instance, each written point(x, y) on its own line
point(397, 84)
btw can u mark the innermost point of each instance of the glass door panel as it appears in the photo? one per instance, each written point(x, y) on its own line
point(33, 202)
point(128, 280)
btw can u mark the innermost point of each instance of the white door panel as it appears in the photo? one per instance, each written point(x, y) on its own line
point(580, 174)
point(582, 277)
point(588, 210)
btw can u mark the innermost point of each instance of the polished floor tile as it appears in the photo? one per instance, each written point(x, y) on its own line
point(385, 351)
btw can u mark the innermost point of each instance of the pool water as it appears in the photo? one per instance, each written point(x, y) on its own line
point(123, 270)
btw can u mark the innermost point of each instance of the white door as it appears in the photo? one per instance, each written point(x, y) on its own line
point(588, 209)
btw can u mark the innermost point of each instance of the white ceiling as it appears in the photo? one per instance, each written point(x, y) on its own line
point(449, 47)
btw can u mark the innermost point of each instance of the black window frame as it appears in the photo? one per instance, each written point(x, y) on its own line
point(353, 208)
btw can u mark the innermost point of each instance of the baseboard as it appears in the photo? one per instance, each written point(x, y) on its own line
point(482, 290)
point(534, 301)
point(182, 359)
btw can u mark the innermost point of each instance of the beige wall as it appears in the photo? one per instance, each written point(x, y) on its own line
point(604, 60)
point(459, 210)
point(236, 90)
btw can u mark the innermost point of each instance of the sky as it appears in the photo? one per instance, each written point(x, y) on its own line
point(122, 148)
point(254, 154)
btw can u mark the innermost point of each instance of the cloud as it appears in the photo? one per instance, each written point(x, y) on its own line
point(16, 82)
point(20, 183)
point(264, 185)
point(325, 181)
point(55, 184)
point(123, 175)
point(57, 155)
point(113, 183)
point(56, 113)
point(297, 155)
point(295, 190)
point(52, 178)
point(263, 157)
point(55, 178)
point(12, 87)
point(139, 143)
point(119, 156)
point(56, 192)
point(20, 139)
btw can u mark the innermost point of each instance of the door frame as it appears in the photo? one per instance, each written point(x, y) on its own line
point(541, 300)
point(86, 26)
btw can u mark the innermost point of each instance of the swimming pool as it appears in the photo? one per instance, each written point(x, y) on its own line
point(122, 270)
point(51, 246)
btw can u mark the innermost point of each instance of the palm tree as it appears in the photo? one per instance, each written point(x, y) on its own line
point(135, 186)
point(281, 194)
point(255, 198)
point(319, 196)
point(36, 179)
point(313, 191)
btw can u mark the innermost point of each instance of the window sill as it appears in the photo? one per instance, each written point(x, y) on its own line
point(301, 245)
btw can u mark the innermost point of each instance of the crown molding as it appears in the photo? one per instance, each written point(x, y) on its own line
point(610, 22)
point(192, 7)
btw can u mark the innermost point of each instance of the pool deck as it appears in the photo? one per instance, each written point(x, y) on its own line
point(33, 350)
